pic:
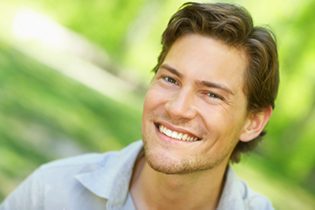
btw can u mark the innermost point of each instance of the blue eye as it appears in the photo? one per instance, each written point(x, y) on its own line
point(170, 79)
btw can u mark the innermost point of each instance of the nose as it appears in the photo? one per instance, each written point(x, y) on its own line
point(181, 106)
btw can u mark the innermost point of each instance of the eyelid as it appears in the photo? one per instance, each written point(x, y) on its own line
point(168, 77)
point(217, 96)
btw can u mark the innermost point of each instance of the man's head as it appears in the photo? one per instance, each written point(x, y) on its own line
point(233, 26)
point(214, 89)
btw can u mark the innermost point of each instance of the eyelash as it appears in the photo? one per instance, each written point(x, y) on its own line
point(213, 95)
point(173, 81)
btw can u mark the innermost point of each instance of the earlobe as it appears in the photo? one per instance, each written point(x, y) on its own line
point(255, 125)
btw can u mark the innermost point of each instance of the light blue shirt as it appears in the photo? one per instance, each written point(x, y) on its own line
point(101, 181)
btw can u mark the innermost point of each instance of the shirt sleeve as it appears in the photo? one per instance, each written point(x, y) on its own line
point(28, 195)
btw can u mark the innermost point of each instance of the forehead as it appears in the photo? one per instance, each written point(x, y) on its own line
point(204, 58)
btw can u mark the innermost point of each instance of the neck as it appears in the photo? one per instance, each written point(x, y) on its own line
point(154, 190)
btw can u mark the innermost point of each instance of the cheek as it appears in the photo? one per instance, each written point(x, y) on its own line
point(213, 115)
point(152, 103)
point(155, 97)
point(146, 111)
point(149, 102)
point(146, 116)
point(222, 121)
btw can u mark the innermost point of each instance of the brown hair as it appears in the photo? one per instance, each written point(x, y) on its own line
point(233, 26)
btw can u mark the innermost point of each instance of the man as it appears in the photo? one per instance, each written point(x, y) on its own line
point(212, 95)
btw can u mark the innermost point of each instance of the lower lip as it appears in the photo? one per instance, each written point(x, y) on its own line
point(170, 140)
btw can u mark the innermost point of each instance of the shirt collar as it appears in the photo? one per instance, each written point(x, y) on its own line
point(233, 192)
point(111, 180)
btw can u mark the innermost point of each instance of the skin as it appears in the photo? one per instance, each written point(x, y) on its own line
point(198, 90)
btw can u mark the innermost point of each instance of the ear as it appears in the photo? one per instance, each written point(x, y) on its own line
point(255, 124)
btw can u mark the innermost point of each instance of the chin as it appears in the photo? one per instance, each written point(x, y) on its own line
point(164, 162)
point(169, 160)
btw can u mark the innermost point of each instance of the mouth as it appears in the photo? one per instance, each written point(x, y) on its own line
point(176, 135)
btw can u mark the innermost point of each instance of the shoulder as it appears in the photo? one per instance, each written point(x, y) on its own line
point(54, 180)
point(79, 162)
point(63, 171)
point(253, 200)
point(69, 178)
point(237, 195)
point(91, 161)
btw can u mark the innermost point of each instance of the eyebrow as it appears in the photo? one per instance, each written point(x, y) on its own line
point(215, 85)
point(201, 83)
point(172, 70)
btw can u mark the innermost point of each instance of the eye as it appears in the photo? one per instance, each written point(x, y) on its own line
point(170, 80)
point(213, 95)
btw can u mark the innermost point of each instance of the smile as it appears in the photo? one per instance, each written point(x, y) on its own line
point(176, 135)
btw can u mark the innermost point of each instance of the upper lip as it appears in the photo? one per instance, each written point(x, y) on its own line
point(179, 130)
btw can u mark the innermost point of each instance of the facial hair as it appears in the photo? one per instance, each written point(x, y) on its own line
point(163, 162)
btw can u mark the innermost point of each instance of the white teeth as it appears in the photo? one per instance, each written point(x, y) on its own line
point(175, 135)
point(168, 132)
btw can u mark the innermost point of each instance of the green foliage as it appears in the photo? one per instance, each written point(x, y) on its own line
point(44, 116)
point(103, 22)
point(289, 147)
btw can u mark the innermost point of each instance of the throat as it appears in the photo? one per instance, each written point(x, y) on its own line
point(157, 190)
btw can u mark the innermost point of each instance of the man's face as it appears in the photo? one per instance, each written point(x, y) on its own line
point(195, 109)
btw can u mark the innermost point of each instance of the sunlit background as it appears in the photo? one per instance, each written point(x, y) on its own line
point(73, 75)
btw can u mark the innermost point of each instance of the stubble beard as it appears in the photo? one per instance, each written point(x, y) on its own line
point(164, 163)
point(161, 162)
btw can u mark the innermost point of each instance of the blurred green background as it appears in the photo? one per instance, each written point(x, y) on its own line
point(73, 75)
